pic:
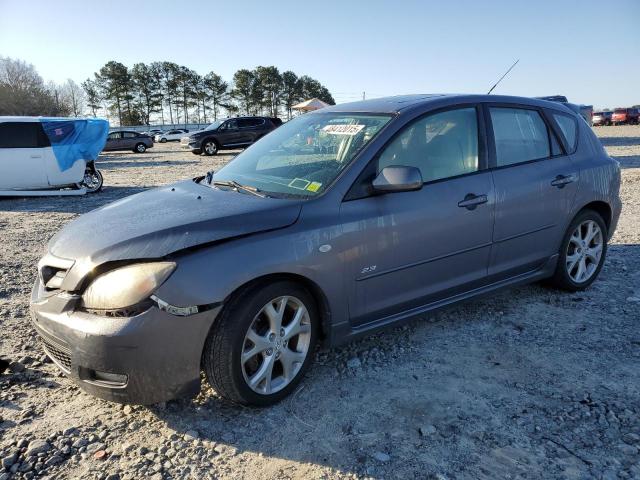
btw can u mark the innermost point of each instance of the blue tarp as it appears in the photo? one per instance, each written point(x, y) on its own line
point(75, 139)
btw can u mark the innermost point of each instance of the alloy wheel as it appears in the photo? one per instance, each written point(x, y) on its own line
point(584, 251)
point(210, 148)
point(276, 345)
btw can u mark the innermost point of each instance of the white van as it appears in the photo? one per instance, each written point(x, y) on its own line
point(50, 156)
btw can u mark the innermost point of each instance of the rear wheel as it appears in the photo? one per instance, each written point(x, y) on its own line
point(92, 181)
point(260, 347)
point(210, 147)
point(582, 253)
point(140, 148)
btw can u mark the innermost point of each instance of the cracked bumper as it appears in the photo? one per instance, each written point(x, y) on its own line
point(144, 359)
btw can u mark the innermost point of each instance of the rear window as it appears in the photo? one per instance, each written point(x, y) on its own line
point(520, 135)
point(569, 128)
point(250, 122)
point(22, 135)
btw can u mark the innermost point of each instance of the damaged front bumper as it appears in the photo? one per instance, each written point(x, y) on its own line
point(148, 358)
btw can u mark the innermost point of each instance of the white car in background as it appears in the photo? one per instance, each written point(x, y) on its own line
point(170, 136)
point(50, 156)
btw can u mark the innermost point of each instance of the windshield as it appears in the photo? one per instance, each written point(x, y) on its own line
point(214, 125)
point(305, 155)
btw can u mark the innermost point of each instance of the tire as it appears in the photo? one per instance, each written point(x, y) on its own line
point(163, 140)
point(567, 276)
point(196, 152)
point(140, 148)
point(92, 181)
point(228, 340)
point(209, 147)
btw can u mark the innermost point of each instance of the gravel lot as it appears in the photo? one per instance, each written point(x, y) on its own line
point(531, 383)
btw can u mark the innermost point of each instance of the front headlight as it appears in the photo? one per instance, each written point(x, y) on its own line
point(126, 286)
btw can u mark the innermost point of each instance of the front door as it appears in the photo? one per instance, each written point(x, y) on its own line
point(113, 141)
point(535, 182)
point(413, 248)
point(228, 134)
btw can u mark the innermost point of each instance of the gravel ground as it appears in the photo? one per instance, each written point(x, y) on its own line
point(530, 383)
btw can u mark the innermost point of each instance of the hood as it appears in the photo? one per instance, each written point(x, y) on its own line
point(164, 220)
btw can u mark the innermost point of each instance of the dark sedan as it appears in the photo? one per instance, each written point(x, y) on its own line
point(128, 140)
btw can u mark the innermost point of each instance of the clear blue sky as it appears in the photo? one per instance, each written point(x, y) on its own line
point(588, 50)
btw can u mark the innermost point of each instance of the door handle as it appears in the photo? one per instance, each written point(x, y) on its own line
point(561, 180)
point(36, 156)
point(471, 201)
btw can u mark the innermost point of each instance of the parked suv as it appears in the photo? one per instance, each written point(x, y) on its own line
point(602, 118)
point(337, 224)
point(126, 140)
point(629, 116)
point(232, 133)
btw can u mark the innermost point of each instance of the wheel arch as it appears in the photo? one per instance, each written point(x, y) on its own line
point(213, 139)
point(322, 302)
point(601, 208)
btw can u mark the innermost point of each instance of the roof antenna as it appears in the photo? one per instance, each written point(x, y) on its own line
point(505, 74)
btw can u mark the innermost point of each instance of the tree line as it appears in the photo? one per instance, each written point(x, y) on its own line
point(159, 92)
point(173, 93)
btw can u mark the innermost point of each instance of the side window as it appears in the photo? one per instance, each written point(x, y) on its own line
point(520, 135)
point(229, 125)
point(441, 145)
point(129, 134)
point(113, 136)
point(22, 135)
point(569, 129)
point(244, 123)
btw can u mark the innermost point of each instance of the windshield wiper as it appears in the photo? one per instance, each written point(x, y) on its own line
point(238, 186)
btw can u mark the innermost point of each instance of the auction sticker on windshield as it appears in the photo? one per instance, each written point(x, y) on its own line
point(343, 129)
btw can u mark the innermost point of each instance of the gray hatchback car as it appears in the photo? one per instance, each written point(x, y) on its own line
point(339, 223)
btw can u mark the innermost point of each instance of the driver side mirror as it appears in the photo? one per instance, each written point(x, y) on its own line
point(397, 178)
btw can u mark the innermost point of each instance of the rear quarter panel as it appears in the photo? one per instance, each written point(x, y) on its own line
point(599, 179)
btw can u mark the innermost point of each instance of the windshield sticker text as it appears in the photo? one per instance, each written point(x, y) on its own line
point(343, 129)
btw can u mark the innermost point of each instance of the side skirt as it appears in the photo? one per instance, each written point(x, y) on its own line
point(344, 332)
point(42, 193)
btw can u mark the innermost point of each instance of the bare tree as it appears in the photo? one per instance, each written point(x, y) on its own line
point(73, 97)
point(23, 92)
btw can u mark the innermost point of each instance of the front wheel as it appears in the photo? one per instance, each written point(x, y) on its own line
point(582, 253)
point(210, 147)
point(260, 347)
point(92, 181)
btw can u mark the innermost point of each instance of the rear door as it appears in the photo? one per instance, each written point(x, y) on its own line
point(249, 129)
point(535, 183)
point(413, 248)
point(23, 148)
point(129, 140)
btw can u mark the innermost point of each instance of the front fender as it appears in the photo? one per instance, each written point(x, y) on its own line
point(210, 275)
